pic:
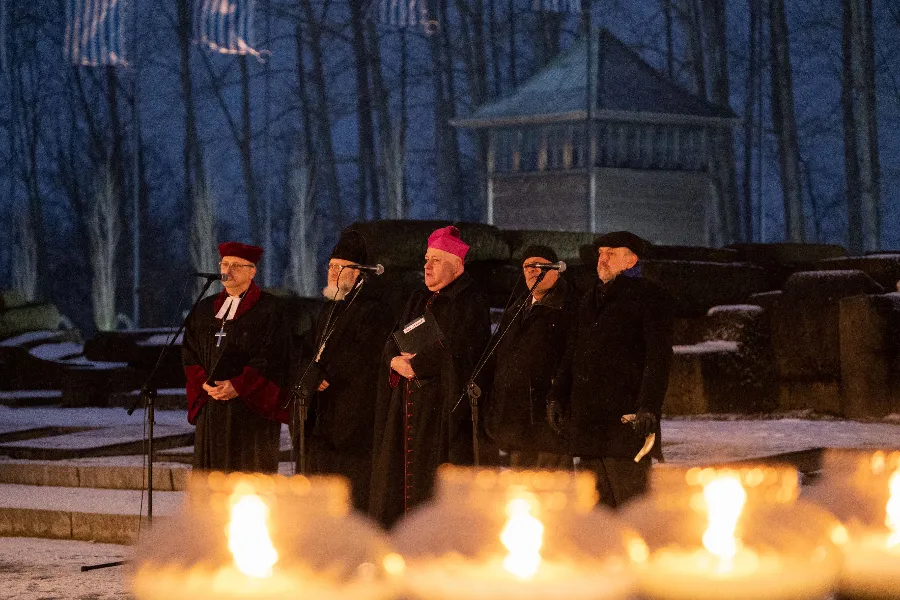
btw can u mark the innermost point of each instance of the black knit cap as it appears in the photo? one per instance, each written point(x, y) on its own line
point(351, 247)
point(537, 250)
point(623, 239)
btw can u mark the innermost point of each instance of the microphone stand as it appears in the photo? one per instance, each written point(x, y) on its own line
point(299, 394)
point(146, 397)
point(472, 390)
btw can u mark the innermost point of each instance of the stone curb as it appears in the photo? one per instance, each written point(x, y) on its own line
point(165, 478)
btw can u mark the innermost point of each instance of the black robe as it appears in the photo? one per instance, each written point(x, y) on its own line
point(340, 440)
point(241, 434)
point(419, 428)
point(525, 360)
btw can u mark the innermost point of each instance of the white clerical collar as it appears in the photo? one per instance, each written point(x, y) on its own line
point(229, 307)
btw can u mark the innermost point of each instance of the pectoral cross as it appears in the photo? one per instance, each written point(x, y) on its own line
point(220, 334)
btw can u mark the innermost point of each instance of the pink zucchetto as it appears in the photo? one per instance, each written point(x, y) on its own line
point(447, 239)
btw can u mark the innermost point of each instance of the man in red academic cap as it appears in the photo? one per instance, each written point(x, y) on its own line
point(418, 423)
point(235, 354)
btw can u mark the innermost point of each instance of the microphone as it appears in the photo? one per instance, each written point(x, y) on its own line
point(557, 266)
point(377, 269)
point(212, 276)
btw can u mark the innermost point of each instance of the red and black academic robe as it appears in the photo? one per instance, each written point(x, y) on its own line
point(419, 428)
point(241, 434)
point(341, 436)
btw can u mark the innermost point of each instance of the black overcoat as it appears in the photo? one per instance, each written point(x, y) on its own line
point(340, 440)
point(525, 360)
point(616, 363)
point(419, 428)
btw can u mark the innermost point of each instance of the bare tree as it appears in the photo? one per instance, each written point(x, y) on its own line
point(305, 231)
point(202, 239)
point(326, 163)
point(105, 230)
point(861, 158)
point(368, 172)
point(784, 122)
point(24, 256)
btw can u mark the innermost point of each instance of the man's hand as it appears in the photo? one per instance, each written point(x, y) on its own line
point(402, 365)
point(223, 390)
point(644, 423)
point(554, 416)
point(323, 386)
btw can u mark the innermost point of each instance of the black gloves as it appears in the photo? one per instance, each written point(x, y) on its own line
point(554, 416)
point(644, 423)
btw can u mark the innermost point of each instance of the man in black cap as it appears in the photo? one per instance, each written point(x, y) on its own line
point(349, 335)
point(524, 363)
point(609, 389)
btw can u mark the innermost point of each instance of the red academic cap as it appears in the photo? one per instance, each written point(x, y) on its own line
point(245, 251)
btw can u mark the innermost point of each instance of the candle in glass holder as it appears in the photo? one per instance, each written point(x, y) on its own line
point(739, 534)
point(863, 489)
point(516, 535)
point(255, 537)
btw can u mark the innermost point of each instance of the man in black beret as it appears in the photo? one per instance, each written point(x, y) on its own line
point(346, 346)
point(524, 363)
point(609, 389)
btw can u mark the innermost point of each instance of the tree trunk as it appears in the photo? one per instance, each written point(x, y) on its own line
point(785, 124)
point(723, 155)
point(447, 166)
point(368, 172)
point(246, 149)
point(853, 185)
point(326, 165)
point(750, 99)
point(864, 111)
point(195, 181)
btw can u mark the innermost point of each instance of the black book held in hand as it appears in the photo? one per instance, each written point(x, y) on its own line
point(418, 334)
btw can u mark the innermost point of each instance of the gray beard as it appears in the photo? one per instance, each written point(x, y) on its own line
point(332, 292)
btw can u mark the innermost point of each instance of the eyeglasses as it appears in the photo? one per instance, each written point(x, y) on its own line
point(227, 265)
point(339, 267)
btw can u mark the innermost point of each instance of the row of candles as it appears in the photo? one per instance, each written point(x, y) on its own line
point(718, 533)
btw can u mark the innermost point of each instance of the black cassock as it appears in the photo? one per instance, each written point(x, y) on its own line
point(341, 438)
point(241, 434)
point(419, 428)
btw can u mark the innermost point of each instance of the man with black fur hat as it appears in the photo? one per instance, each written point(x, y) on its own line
point(524, 363)
point(349, 335)
point(235, 354)
point(609, 389)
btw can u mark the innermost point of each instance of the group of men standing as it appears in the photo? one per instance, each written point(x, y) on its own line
point(566, 377)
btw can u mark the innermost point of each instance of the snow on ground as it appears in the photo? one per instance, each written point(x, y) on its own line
point(35, 569)
point(83, 417)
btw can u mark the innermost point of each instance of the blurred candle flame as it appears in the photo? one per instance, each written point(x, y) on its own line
point(725, 498)
point(248, 534)
point(523, 536)
point(892, 520)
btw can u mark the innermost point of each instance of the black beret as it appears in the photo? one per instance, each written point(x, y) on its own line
point(537, 250)
point(351, 247)
point(623, 239)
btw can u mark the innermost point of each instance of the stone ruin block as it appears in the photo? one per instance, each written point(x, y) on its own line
point(729, 371)
point(698, 286)
point(805, 324)
point(21, 370)
point(781, 260)
point(32, 316)
point(883, 268)
point(870, 355)
point(402, 244)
